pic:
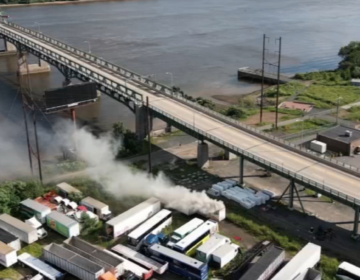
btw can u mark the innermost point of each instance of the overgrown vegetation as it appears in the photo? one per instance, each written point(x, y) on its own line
point(64, 167)
point(326, 97)
point(89, 225)
point(353, 114)
point(303, 125)
point(349, 67)
point(34, 249)
point(288, 89)
point(129, 144)
point(13, 192)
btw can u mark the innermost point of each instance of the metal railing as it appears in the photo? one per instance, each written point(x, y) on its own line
point(166, 90)
point(115, 87)
point(321, 186)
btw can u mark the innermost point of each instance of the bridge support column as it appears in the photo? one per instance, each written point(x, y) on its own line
point(24, 69)
point(229, 156)
point(67, 82)
point(241, 169)
point(9, 49)
point(356, 221)
point(203, 155)
point(168, 128)
point(291, 195)
point(140, 122)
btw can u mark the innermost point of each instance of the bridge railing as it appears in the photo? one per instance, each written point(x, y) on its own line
point(318, 185)
point(168, 91)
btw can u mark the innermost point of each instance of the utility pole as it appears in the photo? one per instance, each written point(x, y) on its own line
point(262, 80)
point(37, 148)
point(148, 133)
point(337, 108)
point(278, 86)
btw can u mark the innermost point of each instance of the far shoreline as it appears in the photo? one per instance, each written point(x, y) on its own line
point(52, 3)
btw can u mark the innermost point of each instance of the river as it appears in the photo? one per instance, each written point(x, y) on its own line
point(201, 42)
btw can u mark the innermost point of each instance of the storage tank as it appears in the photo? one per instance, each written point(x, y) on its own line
point(23, 231)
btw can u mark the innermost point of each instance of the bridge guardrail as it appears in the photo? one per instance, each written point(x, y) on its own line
point(115, 87)
point(281, 169)
point(164, 89)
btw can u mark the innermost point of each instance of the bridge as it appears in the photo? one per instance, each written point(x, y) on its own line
point(323, 175)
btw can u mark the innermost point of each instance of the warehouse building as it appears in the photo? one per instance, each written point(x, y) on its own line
point(341, 139)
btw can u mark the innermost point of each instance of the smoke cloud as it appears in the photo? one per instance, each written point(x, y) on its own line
point(122, 181)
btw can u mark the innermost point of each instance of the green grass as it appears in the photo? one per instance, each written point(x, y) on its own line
point(301, 126)
point(325, 97)
point(10, 273)
point(34, 249)
point(287, 90)
point(295, 113)
point(353, 114)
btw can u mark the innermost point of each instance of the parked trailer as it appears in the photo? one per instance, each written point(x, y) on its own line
point(138, 258)
point(224, 254)
point(62, 224)
point(97, 207)
point(72, 262)
point(32, 208)
point(24, 232)
point(10, 239)
point(266, 265)
point(99, 256)
point(132, 217)
point(7, 255)
point(298, 266)
point(41, 267)
point(203, 253)
point(65, 189)
point(140, 271)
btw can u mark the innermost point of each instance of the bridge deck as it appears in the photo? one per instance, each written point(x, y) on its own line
point(312, 169)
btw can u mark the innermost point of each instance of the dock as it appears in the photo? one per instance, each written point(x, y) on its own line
point(255, 74)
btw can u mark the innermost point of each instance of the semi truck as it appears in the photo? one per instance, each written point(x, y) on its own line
point(8, 255)
point(41, 267)
point(24, 232)
point(32, 208)
point(97, 207)
point(41, 232)
point(132, 217)
point(63, 224)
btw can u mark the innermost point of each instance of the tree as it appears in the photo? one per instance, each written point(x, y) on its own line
point(350, 55)
point(75, 196)
point(88, 225)
point(205, 102)
point(118, 130)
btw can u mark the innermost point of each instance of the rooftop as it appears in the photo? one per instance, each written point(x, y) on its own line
point(5, 249)
point(338, 133)
point(7, 237)
point(35, 205)
point(16, 223)
point(62, 218)
point(67, 188)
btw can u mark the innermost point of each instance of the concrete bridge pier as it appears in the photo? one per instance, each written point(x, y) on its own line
point(9, 49)
point(229, 156)
point(141, 122)
point(24, 68)
point(168, 128)
point(203, 155)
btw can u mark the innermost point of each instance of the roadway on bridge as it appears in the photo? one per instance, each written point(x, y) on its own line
point(321, 173)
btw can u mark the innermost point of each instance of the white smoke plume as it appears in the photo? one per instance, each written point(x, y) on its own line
point(120, 180)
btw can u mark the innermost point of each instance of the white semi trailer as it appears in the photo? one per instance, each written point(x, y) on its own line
point(132, 217)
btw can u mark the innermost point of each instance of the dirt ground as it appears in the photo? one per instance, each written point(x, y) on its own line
point(268, 117)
